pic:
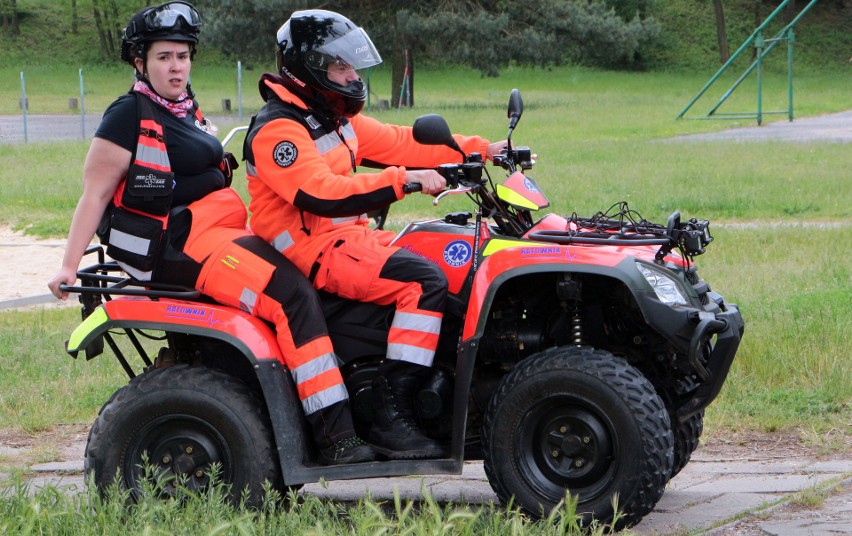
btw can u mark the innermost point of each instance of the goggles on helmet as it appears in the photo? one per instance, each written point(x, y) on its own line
point(168, 16)
point(354, 49)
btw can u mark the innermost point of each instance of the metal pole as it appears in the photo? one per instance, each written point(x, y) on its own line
point(24, 104)
point(758, 43)
point(240, 90)
point(732, 58)
point(82, 107)
point(790, 39)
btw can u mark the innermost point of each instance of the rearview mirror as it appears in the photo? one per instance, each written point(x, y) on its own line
point(432, 129)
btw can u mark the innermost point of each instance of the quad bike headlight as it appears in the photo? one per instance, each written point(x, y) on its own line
point(665, 287)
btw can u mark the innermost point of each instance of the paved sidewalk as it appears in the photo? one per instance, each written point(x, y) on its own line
point(835, 128)
point(705, 498)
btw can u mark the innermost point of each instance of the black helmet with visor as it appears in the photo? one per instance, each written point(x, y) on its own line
point(172, 21)
point(313, 40)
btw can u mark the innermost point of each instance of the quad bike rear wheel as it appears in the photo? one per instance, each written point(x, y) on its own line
point(171, 425)
point(583, 421)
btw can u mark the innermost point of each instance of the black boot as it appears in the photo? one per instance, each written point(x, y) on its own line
point(395, 433)
point(335, 436)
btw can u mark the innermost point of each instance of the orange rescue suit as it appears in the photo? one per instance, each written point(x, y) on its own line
point(306, 201)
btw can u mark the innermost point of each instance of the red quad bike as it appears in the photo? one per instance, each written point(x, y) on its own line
point(577, 355)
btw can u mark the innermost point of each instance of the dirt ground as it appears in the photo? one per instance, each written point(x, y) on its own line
point(40, 260)
point(722, 446)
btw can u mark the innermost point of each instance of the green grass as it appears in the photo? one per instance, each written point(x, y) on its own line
point(42, 386)
point(48, 511)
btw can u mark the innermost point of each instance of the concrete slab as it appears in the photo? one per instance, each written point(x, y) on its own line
point(700, 513)
point(746, 467)
point(807, 527)
point(831, 466)
point(11, 452)
point(74, 466)
point(762, 484)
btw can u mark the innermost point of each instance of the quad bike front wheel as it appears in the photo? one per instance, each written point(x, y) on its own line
point(686, 439)
point(582, 421)
point(170, 426)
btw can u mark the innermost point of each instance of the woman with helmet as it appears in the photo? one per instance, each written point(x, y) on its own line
point(156, 190)
point(309, 202)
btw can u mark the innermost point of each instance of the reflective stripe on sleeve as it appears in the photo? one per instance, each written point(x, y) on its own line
point(338, 221)
point(283, 241)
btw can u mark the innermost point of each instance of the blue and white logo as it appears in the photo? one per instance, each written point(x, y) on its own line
point(530, 185)
point(457, 253)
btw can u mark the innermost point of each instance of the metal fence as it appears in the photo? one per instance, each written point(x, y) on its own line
point(26, 127)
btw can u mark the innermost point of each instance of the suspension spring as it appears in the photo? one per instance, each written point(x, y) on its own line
point(577, 336)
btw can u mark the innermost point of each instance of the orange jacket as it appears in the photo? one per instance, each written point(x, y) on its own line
point(304, 195)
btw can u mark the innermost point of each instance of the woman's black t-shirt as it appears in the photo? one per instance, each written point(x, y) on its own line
point(194, 154)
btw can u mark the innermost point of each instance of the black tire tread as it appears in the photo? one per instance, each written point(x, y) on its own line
point(205, 381)
point(646, 407)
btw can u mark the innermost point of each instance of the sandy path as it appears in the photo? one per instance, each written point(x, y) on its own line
point(27, 264)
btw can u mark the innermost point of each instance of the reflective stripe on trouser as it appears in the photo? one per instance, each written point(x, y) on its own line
point(361, 269)
point(246, 272)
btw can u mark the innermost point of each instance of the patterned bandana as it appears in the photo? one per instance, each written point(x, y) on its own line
point(179, 107)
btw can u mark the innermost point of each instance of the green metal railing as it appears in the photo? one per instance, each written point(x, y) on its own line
point(763, 47)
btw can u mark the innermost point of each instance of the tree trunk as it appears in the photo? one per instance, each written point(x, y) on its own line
point(721, 31)
point(102, 31)
point(114, 27)
point(74, 17)
point(15, 28)
point(790, 13)
point(9, 13)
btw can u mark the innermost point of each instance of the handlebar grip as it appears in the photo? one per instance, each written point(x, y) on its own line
point(411, 187)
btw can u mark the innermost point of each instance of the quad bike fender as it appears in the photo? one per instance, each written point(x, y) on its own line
point(250, 335)
point(501, 265)
point(689, 329)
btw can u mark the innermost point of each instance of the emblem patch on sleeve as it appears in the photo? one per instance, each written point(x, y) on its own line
point(285, 154)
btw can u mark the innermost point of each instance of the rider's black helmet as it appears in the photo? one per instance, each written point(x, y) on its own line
point(172, 21)
point(308, 43)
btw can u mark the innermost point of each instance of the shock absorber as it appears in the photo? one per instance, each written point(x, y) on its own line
point(570, 290)
point(577, 336)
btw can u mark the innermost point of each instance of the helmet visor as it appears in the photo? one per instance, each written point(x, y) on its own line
point(169, 15)
point(353, 49)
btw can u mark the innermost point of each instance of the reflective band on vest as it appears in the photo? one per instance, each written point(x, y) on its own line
point(328, 142)
point(128, 242)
